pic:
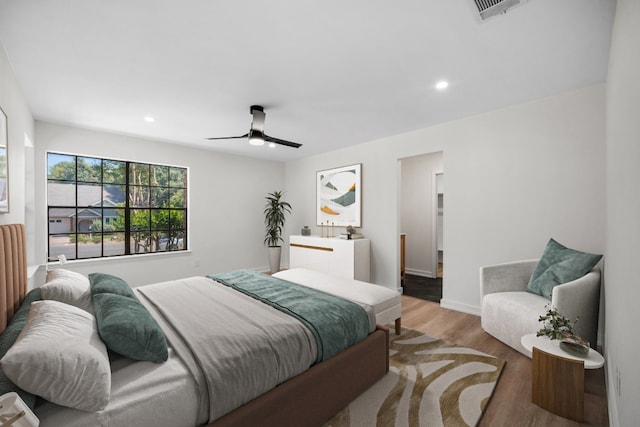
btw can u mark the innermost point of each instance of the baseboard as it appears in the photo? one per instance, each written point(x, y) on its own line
point(457, 306)
point(420, 273)
point(612, 402)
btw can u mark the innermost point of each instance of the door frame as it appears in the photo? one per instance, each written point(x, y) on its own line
point(434, 221)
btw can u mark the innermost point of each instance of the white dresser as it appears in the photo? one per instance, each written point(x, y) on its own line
point(340, 257)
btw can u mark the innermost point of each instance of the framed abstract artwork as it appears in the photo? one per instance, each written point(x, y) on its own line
point(339, 196)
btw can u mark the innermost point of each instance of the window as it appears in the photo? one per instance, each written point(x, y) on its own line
point(104, 208)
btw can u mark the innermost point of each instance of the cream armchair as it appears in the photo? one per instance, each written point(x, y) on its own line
point(509, 311)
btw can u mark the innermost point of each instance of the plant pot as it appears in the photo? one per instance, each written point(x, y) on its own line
point(274, 258)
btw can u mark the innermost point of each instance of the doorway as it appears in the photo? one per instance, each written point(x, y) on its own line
point(421, 218)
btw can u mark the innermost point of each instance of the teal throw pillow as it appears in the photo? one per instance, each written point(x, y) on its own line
point(102, 283)
point(127, 328)
point(8, 338)
point(558, 265)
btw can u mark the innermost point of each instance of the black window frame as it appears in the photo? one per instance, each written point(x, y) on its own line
point(167, 227)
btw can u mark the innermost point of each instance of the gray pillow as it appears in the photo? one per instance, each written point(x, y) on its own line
point(8, 338)
point(68, 287)
point(558, 265)
point(60, 357)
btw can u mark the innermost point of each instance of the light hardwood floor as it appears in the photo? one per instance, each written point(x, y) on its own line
point(510, 404)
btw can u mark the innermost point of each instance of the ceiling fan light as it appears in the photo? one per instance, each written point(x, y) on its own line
point(256, 137)
point(256, 140)
point(442, 85)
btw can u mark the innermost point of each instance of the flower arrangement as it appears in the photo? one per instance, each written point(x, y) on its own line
point(555, 325)
point(558, 327)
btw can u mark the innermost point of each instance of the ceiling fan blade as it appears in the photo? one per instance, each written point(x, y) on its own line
point(230, 137)
point(268, 138)
point(258, 118)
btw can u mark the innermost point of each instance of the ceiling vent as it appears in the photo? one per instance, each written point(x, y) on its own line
point(489, 8)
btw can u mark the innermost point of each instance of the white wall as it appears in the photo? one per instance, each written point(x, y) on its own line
point(416, 211)
point(622, 292)
point(515, 177)
point(226, 201)
point(19, 125)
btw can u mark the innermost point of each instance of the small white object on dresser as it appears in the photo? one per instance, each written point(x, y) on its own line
point(340, 257)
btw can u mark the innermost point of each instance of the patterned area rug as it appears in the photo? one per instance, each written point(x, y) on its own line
point(430, 383)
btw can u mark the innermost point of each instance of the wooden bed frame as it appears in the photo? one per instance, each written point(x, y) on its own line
point(309, 399)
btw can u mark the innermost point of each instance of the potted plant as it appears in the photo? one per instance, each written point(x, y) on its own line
point(274, 216)
point(558, 327)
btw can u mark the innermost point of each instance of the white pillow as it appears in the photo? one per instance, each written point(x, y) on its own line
point(69, 287)
point(59, 356)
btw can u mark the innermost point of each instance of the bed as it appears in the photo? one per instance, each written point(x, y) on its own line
point(307, 398)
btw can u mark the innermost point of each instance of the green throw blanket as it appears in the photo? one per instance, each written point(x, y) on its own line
point(335, 323)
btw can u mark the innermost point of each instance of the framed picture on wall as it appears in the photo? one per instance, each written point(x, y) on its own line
point(339, 196)
point(4, 164)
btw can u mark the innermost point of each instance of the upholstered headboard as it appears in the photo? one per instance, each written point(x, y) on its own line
point(13, 270)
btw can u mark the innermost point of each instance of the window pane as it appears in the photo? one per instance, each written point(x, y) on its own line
point(178, 198)
point(93, 218)
point(89, 195)
point(62, 245)
point(62, 220)
point(159, 197)
point(114, 195)
point(140, 219)
point(139, 196)
point(61, 193)
point(160, 219)
point(114, 172)
point(178, 219)
point(178, 177)
point(139, 243)
point(113, 219)
point(160, 176)
point(138, 174)
point(89, 169)
point(61, 167)
point(176, 242)
point(158, 242)
point(89, 245)
point(113, 244)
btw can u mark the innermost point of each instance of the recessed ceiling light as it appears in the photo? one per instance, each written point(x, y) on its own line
point(442, 85)
point(272, 145)
point(149, 119)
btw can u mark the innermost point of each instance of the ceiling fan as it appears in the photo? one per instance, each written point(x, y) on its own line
point(256, 133)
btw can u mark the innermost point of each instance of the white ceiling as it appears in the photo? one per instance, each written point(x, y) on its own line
point(329, 73)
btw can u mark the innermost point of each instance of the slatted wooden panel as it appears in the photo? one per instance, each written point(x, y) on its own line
point(13, 270)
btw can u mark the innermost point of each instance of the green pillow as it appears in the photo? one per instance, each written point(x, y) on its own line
point(558, 265)
point(8, 338)
point(102, 283)
point(127, 328)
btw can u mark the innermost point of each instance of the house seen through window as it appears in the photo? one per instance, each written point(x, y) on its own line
point(103, 207)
